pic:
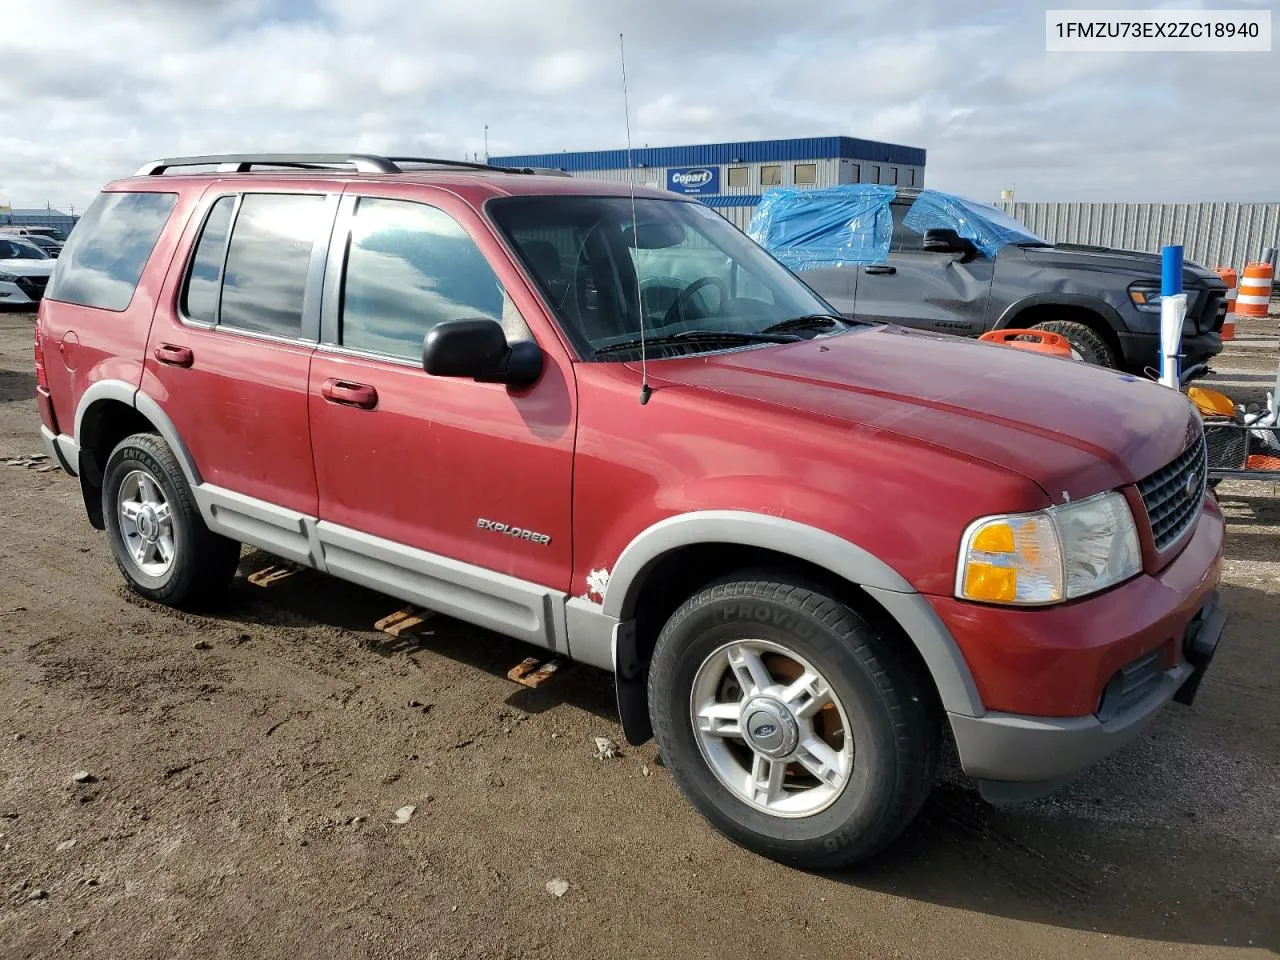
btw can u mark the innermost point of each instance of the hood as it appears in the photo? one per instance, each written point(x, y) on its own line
point(27, 268)
point(1133, 263)
point(1069, 427)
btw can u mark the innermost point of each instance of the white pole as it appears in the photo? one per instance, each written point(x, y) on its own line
point(1173, 311)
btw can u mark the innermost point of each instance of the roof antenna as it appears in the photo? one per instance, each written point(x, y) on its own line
point(645, 392)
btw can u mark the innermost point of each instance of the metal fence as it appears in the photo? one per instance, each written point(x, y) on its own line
point(1213, 234)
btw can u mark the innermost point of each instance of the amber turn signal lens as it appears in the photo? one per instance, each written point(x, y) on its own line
point(985, 581)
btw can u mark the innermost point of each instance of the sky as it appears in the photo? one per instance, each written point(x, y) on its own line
point(91, 89)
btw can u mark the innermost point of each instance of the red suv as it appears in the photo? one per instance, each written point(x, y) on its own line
point(610, 425)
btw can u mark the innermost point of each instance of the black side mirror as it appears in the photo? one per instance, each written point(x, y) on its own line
point(946, 240)
point(478, 349)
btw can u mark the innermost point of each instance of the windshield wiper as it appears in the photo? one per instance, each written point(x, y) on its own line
point(731, 337)
point(812, 321)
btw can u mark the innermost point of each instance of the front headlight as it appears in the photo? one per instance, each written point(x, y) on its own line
point(1147, 297)
point(8, 278)
point(1051, 555)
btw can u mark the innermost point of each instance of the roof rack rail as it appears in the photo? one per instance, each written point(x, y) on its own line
point(362, 162)
point(464, 164)
point(244, 162)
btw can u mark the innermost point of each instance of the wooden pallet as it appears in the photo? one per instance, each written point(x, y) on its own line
point(273, 573)
point(404, 621)
point(532, 672)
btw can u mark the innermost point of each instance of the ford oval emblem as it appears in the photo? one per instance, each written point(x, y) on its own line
point(692, 178)
point(765, 730)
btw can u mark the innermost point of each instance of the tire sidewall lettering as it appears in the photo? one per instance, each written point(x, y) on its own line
point(774, 616)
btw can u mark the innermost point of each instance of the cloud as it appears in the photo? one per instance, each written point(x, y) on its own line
point(94, 88)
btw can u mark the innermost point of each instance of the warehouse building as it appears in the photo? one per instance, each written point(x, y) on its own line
point(731, 177)
point(37, 217)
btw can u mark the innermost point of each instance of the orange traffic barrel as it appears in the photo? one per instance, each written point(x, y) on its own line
point(1255, 290)
point(1038, 341)
point(1229, 277)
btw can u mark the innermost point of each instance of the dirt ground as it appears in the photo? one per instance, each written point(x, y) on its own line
point(245, 768)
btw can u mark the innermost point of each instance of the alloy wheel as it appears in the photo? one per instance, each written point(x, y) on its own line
point(146, 523)
point(771, 728)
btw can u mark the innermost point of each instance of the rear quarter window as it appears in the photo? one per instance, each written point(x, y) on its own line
point(103, 260)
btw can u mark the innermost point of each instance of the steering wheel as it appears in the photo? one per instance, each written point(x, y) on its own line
point(685, 296)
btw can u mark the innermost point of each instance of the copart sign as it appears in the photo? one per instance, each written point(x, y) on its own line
point(694, 181)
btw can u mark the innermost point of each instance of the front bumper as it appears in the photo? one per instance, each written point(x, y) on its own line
point(1142, 350)
point(1163, 630)
point(1018, 758)
point(11, 294)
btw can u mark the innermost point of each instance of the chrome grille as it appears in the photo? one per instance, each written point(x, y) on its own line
point(1173, 494)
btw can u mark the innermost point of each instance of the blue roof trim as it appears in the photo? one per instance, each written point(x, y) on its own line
point(747, 151)
point(729, 200)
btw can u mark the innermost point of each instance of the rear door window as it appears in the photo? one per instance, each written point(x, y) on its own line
point(103, 260)
point(265, 277)
point(204, 281)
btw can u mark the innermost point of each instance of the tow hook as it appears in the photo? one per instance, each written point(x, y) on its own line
point(1199, 645)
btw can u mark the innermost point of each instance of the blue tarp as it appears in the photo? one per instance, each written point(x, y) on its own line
point(853, 224)
point(988, 227)
point(825, 228)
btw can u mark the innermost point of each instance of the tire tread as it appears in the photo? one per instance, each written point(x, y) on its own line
point(908, 701)
point(1082, 335)
point(208, 567)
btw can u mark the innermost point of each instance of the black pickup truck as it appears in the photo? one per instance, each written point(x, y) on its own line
point(1106, 302)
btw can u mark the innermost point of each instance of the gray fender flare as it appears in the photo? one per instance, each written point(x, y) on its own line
point(912, 611)
point(131, 396)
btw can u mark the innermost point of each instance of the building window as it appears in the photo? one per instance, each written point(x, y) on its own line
point(893, 176)
point(855, 170)
point(771, 175)
point(875, 174)
point(738, 176)
point(806, 174)
point(911, 177)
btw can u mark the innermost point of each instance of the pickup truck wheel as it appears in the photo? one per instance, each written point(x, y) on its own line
point(157, 536)
point(790, 723)
point(1085, 342)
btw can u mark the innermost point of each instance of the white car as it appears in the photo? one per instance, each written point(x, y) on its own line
point(24, 272)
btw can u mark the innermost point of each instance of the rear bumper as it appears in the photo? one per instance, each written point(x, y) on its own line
point(62, 449)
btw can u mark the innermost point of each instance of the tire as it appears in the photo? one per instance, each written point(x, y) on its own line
point(1084, 340)
point(877, 694)
point(200, 564)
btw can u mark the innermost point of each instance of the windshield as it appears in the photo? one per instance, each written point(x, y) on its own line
point(20, 250)
point(682, 263)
